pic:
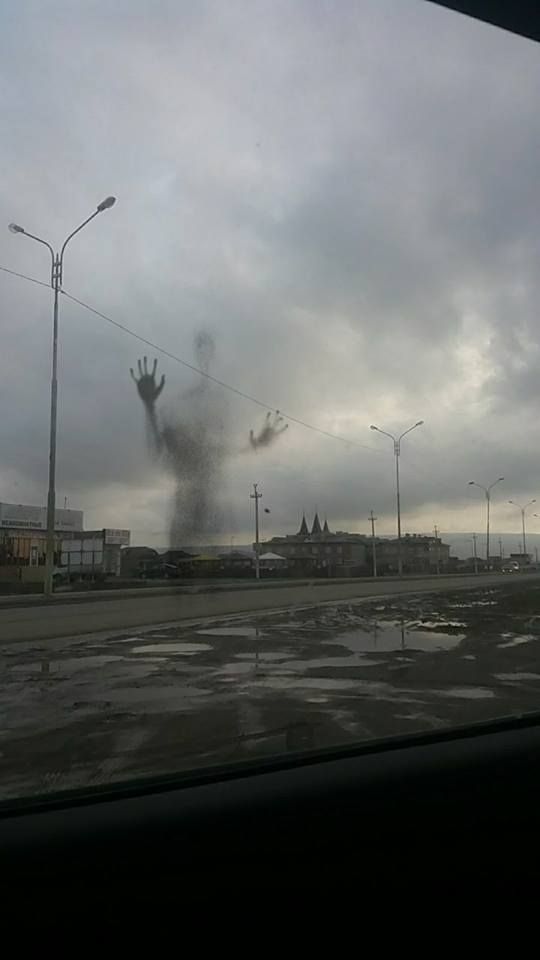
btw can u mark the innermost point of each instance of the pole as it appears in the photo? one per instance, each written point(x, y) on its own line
point(397, 450)
point(474, 553)
point(487, 491)
point(438, 552)
point(488, 499)
point(256, 496)
point(400, 560)
point(501, 551)
point(523, 537)
point(57, 260)
point(51, 496)
point(372, 520)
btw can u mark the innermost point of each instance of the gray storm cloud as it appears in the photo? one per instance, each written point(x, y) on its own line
point(348, 197)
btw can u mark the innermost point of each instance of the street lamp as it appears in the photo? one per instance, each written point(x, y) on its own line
point(397, 451)
point(57, 262)
point(523, 509)
point(487, 491)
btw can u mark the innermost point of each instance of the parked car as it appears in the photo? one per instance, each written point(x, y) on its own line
point(511, 566)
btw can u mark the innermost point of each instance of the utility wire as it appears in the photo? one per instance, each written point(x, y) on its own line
point(208, 376)
point(194, 369)
point(24, 277)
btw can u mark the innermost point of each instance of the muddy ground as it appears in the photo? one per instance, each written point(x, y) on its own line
point(83, 712)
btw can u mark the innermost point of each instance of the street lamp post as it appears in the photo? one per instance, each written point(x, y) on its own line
point(397, 452)
point(523, 509)
point(487, 491)
point(372, 519)
point(475, 555)
point(57, 263)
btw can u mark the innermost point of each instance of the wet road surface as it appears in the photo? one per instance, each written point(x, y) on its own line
point(68, 616)
point(87, 711)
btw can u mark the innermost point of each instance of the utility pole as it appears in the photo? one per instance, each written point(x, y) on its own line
point(501, 551)
point(372, 520)
point(474, 553)
point(437, 548)
point(256, 496)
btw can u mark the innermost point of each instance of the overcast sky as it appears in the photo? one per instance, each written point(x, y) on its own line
point(346, 196)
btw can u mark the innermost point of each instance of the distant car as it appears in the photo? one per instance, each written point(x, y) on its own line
point(511, 567)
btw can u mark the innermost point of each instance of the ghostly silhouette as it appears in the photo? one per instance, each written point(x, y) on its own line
point(193, 445)
point(272, 427)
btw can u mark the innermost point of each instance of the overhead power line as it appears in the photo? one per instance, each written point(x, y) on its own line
point(194, 369)
point(216, 380)
point(23, 276)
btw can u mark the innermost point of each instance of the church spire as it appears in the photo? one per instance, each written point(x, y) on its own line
point(325, 528)
point(316, 528)
point(303, 532)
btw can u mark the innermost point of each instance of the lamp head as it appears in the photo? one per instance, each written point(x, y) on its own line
point(106, 204)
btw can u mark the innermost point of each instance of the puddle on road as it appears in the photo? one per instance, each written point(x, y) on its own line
point(354, 661)
point(185, 649)
point(294, 682)
point(466, 693)
point(238, 669)
point(385, 639)
point(435, 624)
point(516, 641)
point(517, 676)
point(229, 632)
point(266, 655)
point(473, 603)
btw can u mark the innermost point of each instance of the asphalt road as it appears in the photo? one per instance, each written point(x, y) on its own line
point(85, 711)
point(66, 619)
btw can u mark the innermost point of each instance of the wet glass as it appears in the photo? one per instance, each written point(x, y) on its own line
point(267, 483)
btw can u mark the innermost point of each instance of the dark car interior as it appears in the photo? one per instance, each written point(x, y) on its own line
point(453, 806)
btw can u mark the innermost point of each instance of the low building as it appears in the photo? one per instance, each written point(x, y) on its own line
point(93, 553)
point(23, 532)
point(131, 559)
point(272, 562)
point(419, 554)
point(235, 562)
point(319, 551)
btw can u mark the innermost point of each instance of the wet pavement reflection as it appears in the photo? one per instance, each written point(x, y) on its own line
point(82, 712)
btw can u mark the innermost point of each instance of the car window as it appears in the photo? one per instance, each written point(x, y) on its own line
point(268, 479)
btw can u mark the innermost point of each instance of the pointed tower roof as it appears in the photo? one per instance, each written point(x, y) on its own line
point(325, 529)
point(303, 531)
point(316, 528)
